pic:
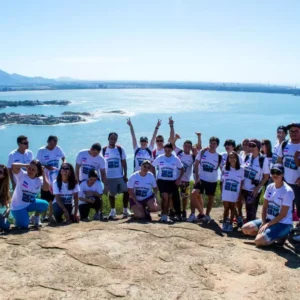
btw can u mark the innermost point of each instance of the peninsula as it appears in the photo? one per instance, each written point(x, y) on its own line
point(4, 103)
point(76, 113)
point(36, 119)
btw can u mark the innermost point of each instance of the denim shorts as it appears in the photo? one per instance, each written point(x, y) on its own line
point(274, 232)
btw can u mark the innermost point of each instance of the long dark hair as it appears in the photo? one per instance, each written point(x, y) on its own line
point(39, 167)
point(237, 163)
point(268, 145)
point(72, 181)
point(4, 187)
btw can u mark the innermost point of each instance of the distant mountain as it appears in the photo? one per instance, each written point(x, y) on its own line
point(7, 79)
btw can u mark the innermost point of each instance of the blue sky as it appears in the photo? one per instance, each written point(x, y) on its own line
point(191, 40)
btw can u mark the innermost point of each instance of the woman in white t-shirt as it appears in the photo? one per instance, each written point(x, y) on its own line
point(142, 189)
point(276, 222)
point(28, 186)
point(90, 197)
point(65, 189)
point(4, 198)
point(232, 182)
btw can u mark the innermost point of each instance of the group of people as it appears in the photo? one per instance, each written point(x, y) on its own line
point(55, 191)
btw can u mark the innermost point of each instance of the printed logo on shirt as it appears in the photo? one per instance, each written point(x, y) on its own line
point(231, 185)
point(289, 162)
point(16, 160)
point(46, 157)
point(83, 159)
point(113, 163)
point(141, 192)
point(28, 197)
point(250, 173)
point(25, 184)
point(66, 198)
point(137, 182)
point(87, 168)
point(167, 172)
point(208, 167)
point(273, 209)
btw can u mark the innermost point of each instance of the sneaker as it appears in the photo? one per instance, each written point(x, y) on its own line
point(192, 218)
point(207, 219)
point(97, 216)
point(112, 215)
point(224, 226)
point(45, 219)
point(165, 219)
point(31, 219)
point(296, 238)
point(36, 221)
point(201, 217)
point(240, 221)
point(183, 215)
point(127, 213)
point(171, 214)
point(229, 227)
point(52, 220)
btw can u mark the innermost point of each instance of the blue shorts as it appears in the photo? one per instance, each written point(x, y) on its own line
point(274, 232)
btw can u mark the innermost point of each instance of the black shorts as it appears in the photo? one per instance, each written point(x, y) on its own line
point(46, 195)
point(209, 188)
point(166, 186)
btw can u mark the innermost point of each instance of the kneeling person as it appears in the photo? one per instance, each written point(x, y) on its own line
point(90, 197)
point(142, 190)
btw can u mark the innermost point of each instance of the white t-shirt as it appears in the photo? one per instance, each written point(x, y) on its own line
point(291, 171)
point(277, 198)
point(88, 162)
point(158, 152)
point(141, 155)
point(26, 190)
point(66, 195)
point(275, 153)
point(243, 155)
point(50, 158)
point(187, 161)
point(142, 185)
point(224, 159)
point(254, 172)
point(17, 157)
point(208, 166)
point(96, 187)
point(231, 184)
point(167, 167)
point(113, 163)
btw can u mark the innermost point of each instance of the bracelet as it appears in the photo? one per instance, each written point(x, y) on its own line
point(156, 127)
point(171, 126)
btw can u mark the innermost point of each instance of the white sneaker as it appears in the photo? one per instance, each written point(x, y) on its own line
point(296, 238)
point(112, 215)
point(127, 213)
point(37, 222)
point(192, 218)
point(165, 219)
point(31, 219)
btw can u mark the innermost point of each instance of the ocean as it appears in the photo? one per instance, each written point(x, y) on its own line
point(227, 115)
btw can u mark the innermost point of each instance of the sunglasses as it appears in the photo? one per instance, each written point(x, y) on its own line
point(65, 168)
point(252, 146)
point(147, 167)
point(159, 141)
point(24, 143)
point(275, 172)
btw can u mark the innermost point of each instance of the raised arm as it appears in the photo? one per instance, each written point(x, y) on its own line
point(199, 142)
point(134, 142)
point(152, 142)
point(16, 167)
point(172, 130)
point(177, 137)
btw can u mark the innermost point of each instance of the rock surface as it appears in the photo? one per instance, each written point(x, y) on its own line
point(129, 260)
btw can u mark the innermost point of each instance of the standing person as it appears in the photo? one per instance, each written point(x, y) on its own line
point(90, 196)
point(49, 156)
point(286, 155)
point(4, 198)
point(116, 175)
point(144, 151)
point(90, 159)
point(21, 155)
point(229, 147)
point(143, 190)
point(65, 190)
point(232, 183)
point(256, 175)
point(266, 150)
point(168, 179)
point(281, 136)
point(276, 220)
point(245, 151)
point(207, 164)
point(28, 186)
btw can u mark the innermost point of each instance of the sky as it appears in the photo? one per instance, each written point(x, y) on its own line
point(176, 40)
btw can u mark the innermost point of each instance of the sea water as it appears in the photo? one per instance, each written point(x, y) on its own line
point(227, 115)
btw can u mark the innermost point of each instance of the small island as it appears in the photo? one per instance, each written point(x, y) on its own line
point(75, 113)
point(37, 119)
point(121, 112)
point(4, 103)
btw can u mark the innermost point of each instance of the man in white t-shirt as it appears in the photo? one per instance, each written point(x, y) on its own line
point(49, 156)
point(207, 163)
point(90, 159)
point(286, 156)
point(21, 155)
point(144, 151)
point(281, 135)
point(116, 175)
point(229, 147)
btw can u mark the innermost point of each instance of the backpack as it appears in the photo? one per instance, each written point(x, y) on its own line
point(220, 158)
point(136, 152)
point(181, 151)
point(284, 143)
point(118, 147)
point(154, 153)
point(261, 160)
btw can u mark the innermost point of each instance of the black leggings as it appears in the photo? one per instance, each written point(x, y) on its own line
point(84, 209)
point(251, 204)
point(176, 201)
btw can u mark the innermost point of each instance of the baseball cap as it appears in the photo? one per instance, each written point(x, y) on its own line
point(283, 128)
point(143, 139)
point(278, 167)
point(256, 142)
point(293, 125)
